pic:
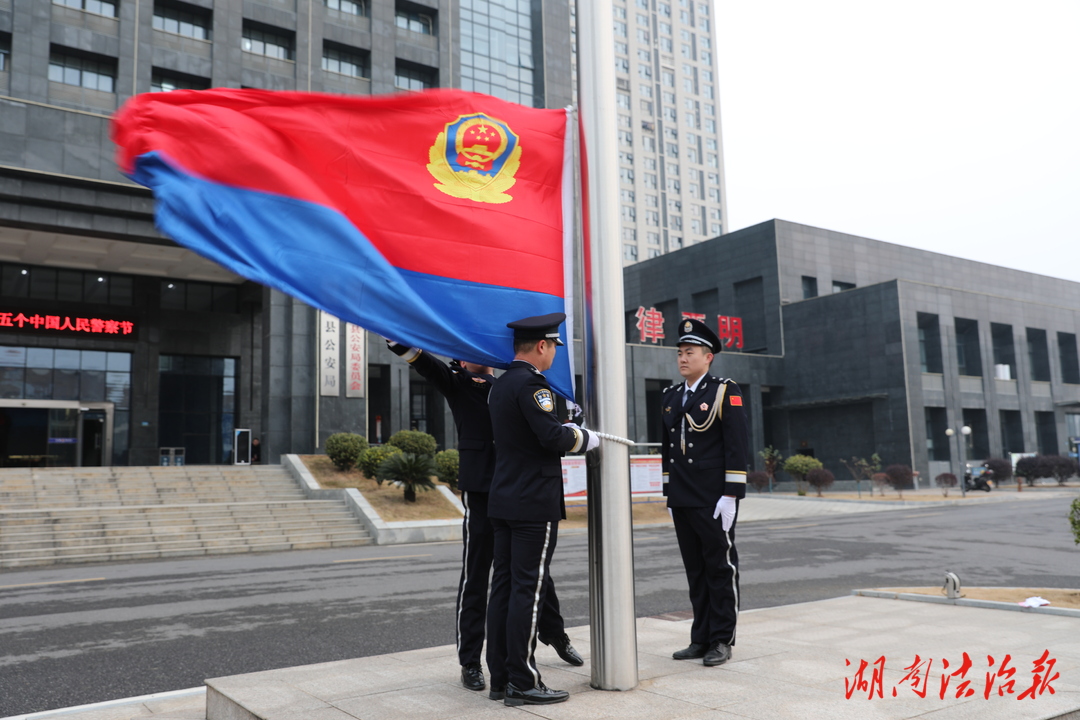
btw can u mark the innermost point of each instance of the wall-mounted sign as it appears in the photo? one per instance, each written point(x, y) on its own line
point(12, 319)
point(329, 355)
point(650, 325)
point(355, 352)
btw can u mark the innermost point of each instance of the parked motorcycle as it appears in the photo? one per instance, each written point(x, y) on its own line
point(980, 483)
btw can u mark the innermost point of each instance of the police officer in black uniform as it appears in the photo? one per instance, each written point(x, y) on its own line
point(466, 386)
point(705, 455)
point(525, 506)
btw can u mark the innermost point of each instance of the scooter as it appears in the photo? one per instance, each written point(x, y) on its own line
point(979, 483)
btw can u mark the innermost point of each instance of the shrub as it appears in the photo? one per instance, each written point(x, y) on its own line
point(900, 478)
point(414, 441)
point(1063, 467)
point(773, 459)
point(1001, 468)
point(448, 463)
point(819, 479)
point(373, 458)
point(1034, 467)
point(344, 449)
point(945, 481)
point(758, 479)
point(881, 481)
point(797, 466)
point(409, 471)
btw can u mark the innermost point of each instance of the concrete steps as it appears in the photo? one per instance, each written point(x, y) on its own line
point(108, 514)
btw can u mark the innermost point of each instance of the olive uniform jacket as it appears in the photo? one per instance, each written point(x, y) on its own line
point(467, 395)
point(529, 443)
point(705, 444)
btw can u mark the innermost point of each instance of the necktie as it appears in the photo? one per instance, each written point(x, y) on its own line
point(686, 397)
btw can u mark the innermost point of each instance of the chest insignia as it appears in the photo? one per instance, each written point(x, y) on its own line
point(704, 407)
point(544, 400)
point(667, 409)
point(479, 380)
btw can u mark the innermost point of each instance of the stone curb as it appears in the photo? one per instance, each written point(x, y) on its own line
point(966, 602)
point(109, 704)
point(382, 532)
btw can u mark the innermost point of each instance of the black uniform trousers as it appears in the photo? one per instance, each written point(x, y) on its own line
point(478, 550)
point(712, 569)
point(520, 586)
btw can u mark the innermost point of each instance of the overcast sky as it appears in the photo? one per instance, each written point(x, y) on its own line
point(950, 125)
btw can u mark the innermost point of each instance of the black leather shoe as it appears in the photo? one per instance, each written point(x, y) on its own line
point(718, 655)
point(498, 692)
point(472, 677)
point(564, 648)
point(693, 652)
point(539, 695)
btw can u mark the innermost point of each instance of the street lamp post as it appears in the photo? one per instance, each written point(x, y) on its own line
point(964, 431)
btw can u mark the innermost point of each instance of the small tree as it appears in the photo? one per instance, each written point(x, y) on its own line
point(881, 481)
point(945, 481)
point(344, 449)
point(797, 466)
point(373, 457)
point(1001, 470)
point(1033, 467)
point(1074, 520)
point(900, 478)
point(863, 469)
point(448, 463)
point(772, 458)
point(758, 479)
point(409, 471)
point(1063, 467)
point(415, 442)
point(819, 479)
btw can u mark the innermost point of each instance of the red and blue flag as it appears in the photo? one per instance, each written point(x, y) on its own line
point(431, 218)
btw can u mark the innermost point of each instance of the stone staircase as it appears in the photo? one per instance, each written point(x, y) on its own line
point(80, 515)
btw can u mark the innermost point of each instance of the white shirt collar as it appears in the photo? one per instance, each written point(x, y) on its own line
point(693, 388)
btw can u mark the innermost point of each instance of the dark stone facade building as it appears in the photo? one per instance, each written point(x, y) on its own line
point(852, 346)
point(201, 351)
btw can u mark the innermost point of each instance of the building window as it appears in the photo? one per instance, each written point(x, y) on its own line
point(675, 222)
point(623, 100)
point(652, 217)
point(665, 45)
point(181, 19)
point(650, 181)
point(626, 174)
point(968, 353)
point(654, 253)
point(408, 76)
point(94, 74)
point(621, 48)
point(415, 19)
point(1012, 432)
point(629, 213)
point(644, 71)
point(1046, 433)
point(5, 50)
point(626, 157)
point(664, 9)
point(41, 283)
point(839, 287)
point(350, 7)
point(665, 27)
point(98, 7)
point(668, 78)
point(1038, 355)
point(673, 185)
point(626, 138)
point(653, 238)
point(1070, 365)
point(198, 297)
point(809, 287)
point(629, 252)
point(929, 343)
point(619, 12)
point(167, 81)
point(629, 235)
point(627, 195)
point(345, 61)
point(622, 65)
point(1001, 338)
point(642, 20)
point(715, 229)
point(675, 242)
point(268, 42)
point(937, 442)
point(197, 406)
point(620, 28)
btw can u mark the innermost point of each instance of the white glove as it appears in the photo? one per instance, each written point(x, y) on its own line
point(594, 442)
point(725, 507)
point(671, 515)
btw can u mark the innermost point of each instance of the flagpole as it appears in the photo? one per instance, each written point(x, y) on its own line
point(611, 553)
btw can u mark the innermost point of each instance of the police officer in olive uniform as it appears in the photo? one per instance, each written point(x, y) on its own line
point(705, 455)
point(525, 505)
point(466, 386)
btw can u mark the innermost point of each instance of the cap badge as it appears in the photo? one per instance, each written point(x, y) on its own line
point(687, 327)
point(544, 400)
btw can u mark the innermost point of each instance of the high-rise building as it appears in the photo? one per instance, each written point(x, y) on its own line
point(671, 162)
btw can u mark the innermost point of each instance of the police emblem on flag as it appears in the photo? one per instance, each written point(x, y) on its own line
point(544, 400)
point(475, 158)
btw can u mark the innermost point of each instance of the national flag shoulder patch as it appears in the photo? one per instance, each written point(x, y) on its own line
point(736, 400)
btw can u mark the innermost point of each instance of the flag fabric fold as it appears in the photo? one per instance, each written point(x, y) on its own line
point(431, 218)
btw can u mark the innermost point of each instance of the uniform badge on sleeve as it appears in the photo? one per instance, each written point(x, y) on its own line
point(736, 400)
point(544, 400)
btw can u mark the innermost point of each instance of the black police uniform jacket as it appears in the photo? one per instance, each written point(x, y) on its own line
point(706, 446)
point(467, 395)
point(529, 442)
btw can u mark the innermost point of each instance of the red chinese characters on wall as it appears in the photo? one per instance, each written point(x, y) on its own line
point(650, 326)
point(64, 323)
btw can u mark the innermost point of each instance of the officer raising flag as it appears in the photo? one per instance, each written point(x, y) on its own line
point(705, 450)
point(525, 505)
